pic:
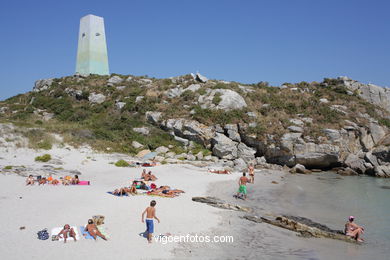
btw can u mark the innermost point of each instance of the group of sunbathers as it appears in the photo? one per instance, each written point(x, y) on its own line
point(67, 180)
point(142, 183)
point(91, 228)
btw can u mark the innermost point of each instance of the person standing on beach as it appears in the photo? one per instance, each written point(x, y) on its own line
point(251, 171)
point(242, 185)
point(150, 215)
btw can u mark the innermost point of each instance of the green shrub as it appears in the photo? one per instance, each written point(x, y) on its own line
point(8, 167)
point(43, 158)
point(217, 98)
point(202, 91)
point(122, 163)
point(45, 145)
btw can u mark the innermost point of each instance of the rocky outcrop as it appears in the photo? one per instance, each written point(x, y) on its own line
point(200, 78)
point(371, 93)
point(42, 84)
point(189, 129)
point(224, 147)
point(153, 117)
point(227, 100)
point(97, 98)
point(304, 226)
point(142, 130)
point(114, 80)
point(215, 202)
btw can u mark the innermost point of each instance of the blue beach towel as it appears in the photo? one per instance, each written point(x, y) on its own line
point(110, 192)
point(86, 234)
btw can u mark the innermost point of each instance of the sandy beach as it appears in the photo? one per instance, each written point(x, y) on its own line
point(38, 207)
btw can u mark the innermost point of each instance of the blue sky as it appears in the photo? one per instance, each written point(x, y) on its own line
point(247, 41)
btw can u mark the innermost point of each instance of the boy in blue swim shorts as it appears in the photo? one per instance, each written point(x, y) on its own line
point(150, 215)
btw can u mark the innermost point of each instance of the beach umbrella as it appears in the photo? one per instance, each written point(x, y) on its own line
point(149, 156)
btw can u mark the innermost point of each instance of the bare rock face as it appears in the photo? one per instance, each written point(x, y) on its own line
point(299, 168)
point(228, 100)
point(200, 78)
point(224, 147)
point(371, 93)
point(96, 98)
point(215, 202)
point(141, 130)
point(356, 163)
point(190, 130)
point(317, 160)
point(153, 117)
point(136, 145)
point(382, 171)
point(114, 80)
point(42, 84)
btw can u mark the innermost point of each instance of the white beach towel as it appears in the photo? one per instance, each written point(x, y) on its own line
point(56, 230)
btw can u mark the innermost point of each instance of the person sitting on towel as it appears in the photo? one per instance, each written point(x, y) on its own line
point(93, 230)
point(133, 188)
point(143, 175)
point(150, 177)
point(75, 180)
point(67, 231)
point(42, 181)
point(30, 180)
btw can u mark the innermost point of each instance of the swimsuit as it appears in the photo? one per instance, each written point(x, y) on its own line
point(242, 189)
point(149, 225)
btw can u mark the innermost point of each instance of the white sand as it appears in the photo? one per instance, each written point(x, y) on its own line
point(51, 206)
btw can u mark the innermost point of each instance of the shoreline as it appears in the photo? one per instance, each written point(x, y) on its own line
point(261, 240)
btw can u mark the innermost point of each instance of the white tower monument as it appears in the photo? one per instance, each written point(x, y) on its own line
point(92, 49)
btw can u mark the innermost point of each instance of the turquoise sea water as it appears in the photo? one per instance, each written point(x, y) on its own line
point(329, 199)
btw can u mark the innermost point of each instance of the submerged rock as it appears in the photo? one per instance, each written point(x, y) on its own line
point(218, 203)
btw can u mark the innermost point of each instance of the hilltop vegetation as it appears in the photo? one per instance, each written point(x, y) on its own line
point(105, 111)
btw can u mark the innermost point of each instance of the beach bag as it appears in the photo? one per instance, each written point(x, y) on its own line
point(153, 186)
point(43, 234)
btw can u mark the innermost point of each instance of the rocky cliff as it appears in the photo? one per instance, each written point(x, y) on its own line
point(336, 123)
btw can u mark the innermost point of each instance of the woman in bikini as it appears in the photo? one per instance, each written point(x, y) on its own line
point(67, 231)
point(93, 231)
point(353, 230)
point(75, 180)
point(30, 180)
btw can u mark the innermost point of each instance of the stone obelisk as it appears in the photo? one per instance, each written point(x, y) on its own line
point(92, 48)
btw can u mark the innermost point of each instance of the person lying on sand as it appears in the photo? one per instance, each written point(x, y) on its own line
point(75, 180)
point(242, 185)
point(165, 191)
point(67, 231)
point(353, 230)
point(121, 191)
point(150, 177)
point(93, 230)
point(220, 171)
point(42, 181)
point(30, 180)
point(55, 182)
point(64, 181)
